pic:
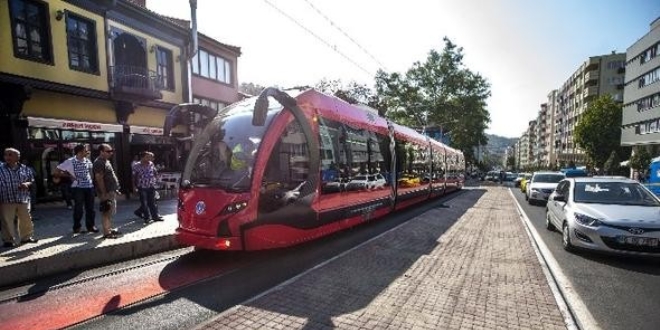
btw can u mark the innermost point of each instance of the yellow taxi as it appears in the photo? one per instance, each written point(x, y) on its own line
point(523, 182)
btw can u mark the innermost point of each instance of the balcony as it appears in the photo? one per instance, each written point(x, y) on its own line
point(592, 64)
point(591, 75)
point(590, 92)
point(134, 83)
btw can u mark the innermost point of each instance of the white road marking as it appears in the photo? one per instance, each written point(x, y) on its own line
point(576, 315)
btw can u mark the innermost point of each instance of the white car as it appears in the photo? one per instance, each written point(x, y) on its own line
point(541, 185)
point(367, 182)
point(615, 215)
point(377, 181)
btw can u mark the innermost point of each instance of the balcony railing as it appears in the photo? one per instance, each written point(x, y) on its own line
point(591, 75)
point(135, 83)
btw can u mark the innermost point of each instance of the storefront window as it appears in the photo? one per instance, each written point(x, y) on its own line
point(75, 135)
point(37, 133)
point(103, 137)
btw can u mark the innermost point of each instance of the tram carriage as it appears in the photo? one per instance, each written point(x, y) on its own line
point(288, 167)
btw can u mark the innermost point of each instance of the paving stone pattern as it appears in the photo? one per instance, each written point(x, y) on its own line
point(470, 266)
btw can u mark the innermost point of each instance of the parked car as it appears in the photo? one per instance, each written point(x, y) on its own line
point(541, 185)
point(616, 215)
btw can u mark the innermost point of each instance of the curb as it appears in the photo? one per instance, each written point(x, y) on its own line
point(81, 259)
point(576, 315)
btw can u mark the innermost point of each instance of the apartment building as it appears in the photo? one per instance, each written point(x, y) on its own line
point(543, 136)
point(532, 150)
point(551, 132)
point(598, 75)
point(641, 103)
point(522, 152)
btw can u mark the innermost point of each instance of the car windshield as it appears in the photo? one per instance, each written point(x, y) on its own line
point(547, 178)
point(620, 193)
point(223, 154)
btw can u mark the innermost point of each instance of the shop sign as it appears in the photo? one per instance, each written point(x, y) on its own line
point(146, 130)
point(73, 125)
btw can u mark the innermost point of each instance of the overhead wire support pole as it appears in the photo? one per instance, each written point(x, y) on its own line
point(319, 38)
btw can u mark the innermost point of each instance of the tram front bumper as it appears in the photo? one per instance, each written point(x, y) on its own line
point(208, 242)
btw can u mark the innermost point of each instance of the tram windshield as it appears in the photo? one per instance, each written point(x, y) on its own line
point(223, 155)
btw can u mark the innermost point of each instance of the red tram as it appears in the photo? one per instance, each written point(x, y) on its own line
point(264, 175)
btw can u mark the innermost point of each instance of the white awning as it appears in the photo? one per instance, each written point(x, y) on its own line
point(146, 130)
point(73, 125)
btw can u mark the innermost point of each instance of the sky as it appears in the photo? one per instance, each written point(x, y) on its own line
point(523, 48)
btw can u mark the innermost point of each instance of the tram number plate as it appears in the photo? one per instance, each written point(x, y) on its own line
point(639, 241)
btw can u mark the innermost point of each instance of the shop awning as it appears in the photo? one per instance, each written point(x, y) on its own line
point(73, 125)
point(146, 130)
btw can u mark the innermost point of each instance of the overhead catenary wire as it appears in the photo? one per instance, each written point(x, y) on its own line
point(333, 47)
point(345, 34)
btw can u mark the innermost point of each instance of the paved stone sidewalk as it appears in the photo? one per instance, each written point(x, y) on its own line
point(470, 266)
point(58, 250)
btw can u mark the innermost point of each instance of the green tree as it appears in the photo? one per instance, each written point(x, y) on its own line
point(599, 130)
point(612, 164)
point(440, 91)
point(511, 161)
point(640, 160)
point(251, 88)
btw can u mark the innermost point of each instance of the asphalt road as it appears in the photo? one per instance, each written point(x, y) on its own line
point(620, 292)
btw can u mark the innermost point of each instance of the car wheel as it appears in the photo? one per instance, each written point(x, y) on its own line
point(566, 238)
point(548, 223)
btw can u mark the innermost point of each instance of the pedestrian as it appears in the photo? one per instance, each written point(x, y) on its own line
point(107, 187)
point(65, 188)
point(15, 182)
point(78, 170)
point(144, 183)
point(139, 212)
point(33, 187)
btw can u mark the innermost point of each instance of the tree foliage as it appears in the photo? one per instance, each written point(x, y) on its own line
point(251, 88)
point(511, 161)
point(612, 164)
point(640, 160)
point(440, 91)
point(599, 130)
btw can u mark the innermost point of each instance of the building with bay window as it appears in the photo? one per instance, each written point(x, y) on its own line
point(92, 72)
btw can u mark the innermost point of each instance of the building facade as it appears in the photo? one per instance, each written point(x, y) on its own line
point(598, 75)
point(641, 103)
point(91, 72)
point(553, 111)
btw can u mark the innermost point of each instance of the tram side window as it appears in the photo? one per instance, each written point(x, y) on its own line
point(422, 168)
point(286, 171)
point(438, 165)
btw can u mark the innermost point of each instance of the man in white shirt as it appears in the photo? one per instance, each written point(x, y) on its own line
point(79, 169)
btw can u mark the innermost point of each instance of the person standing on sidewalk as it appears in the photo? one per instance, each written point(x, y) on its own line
point(107, 187)
point(144, 183)
point(15, 182)
point(78, 169)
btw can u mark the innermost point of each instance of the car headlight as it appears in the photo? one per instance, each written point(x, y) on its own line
point(587, 220)
point(535, 190)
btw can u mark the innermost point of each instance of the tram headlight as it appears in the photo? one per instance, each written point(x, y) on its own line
point(235, 207)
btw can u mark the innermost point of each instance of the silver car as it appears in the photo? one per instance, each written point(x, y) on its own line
point(614, 215)
point(541, 185)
